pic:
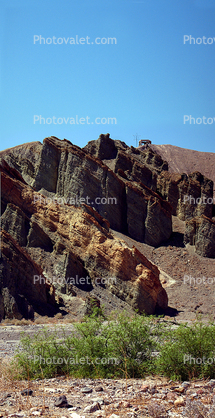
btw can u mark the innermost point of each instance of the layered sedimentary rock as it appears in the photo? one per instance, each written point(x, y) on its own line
point(137, 165)
point(20, 295)
point(118, 181)
point(189, 195)
point(24, 158)
point(129, 187)
point(200, 232)
point(66, 241)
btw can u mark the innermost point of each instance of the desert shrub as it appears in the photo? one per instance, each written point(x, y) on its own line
point(131, 341)
point(38, 355)
point(115, 348)
point(94, 309)
point(188, 351)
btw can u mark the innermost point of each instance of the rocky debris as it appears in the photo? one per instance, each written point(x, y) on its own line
point(179, 401)
point(27, 392)
point(200, 233)
point(99, 389)
point(187, 277)
point(120, 398)
point(87, 390)
point(92, 408)
point(61, 402)
point(155, 410)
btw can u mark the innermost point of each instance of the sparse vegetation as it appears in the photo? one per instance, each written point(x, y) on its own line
point(119, 347)
point(188, 352)
point(114, 348)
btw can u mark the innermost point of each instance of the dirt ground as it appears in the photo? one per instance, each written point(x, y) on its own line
point(189, 279)
point(132, 398)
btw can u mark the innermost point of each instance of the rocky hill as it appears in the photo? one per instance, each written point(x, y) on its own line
point(61, 207)
point(182, 160)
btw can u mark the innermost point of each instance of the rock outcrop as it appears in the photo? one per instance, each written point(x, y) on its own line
point(66, 242)
point(129, 187)
point(20, 295)
point(58, 204)
point(189, 195)
point(119, 182)
point(200, 232)
point(138, 165)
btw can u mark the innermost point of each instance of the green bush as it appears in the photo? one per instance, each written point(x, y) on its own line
point(120, 347)
point(184, 352)
point(35, 351)
point(131, 341)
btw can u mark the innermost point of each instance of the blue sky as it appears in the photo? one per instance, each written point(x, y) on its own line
point(146, 82)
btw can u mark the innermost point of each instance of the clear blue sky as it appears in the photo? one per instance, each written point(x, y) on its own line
point(148, 79)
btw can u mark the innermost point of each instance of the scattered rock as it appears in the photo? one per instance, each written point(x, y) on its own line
point(144, 388)
point(61, 402)
point(86, 390)
point(171, 396)
point(27, 392)
point(179, 401)
point(185, 384)
point(99, 389)
point(92, 408)
point(180, 389)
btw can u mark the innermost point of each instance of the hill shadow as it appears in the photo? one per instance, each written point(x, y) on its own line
point(176, 239)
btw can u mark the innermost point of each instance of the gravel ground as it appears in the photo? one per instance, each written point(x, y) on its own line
point(104, 398)
point(10, 335)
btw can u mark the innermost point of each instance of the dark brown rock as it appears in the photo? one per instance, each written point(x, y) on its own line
point(27, 392)
point(61, 402)
point(20, 294)
point(200, 232)
point(186, 194)
point(99, 174)
point(72, 240)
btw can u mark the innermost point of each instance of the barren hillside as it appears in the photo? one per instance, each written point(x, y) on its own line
point(182, 160)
